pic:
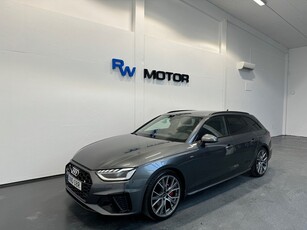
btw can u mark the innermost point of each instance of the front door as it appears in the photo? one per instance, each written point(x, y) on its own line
point(210, 162)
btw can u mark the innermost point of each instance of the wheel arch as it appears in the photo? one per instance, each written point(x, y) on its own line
point(267, 148)
point(167, 168)
point(170, 168)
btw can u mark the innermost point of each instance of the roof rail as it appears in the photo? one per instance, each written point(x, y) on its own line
point(181, 110)
point(221, 112)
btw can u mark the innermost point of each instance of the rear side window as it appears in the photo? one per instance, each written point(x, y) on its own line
point(236, 125)
point(252, 124)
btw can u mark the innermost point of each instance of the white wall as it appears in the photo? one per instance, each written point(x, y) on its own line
point(180, 38)
point(58, 91)
point(260, 92)
point(297, 93)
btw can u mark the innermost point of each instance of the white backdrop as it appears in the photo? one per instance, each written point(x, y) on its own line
point(297, 93)
point(58, 91)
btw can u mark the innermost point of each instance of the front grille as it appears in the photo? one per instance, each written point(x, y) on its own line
point(117, 203)
point(84, 177)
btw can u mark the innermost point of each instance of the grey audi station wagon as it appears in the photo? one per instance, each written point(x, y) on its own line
point(173, 155)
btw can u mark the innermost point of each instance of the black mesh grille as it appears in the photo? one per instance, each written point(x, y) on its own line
point(123, 202)
point(117, 203)
point(82, 176)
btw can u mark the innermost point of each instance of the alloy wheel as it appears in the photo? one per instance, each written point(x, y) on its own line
point(262, 162)
point(165, 196)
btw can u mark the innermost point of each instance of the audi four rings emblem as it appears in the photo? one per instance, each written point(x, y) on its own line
point(74, 171)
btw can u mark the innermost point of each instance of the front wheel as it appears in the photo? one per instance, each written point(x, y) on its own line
point(260, 165)
point(162, 196)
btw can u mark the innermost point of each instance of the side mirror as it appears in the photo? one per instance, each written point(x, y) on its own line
point(208, 138)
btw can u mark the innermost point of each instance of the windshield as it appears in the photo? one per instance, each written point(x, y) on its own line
point(170, 127)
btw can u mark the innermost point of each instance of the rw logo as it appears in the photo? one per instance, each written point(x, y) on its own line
point(124, 70)
point(154, 74)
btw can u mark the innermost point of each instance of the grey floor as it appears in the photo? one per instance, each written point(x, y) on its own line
point(276, 201)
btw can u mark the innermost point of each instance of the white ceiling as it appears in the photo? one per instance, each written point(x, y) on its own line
point(285, 21)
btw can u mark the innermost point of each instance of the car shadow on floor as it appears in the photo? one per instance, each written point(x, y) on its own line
point(190, 209)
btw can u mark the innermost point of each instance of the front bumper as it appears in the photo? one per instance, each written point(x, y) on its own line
point(107, 198)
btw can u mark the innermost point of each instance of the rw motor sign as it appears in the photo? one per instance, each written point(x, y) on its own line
point(153, 74)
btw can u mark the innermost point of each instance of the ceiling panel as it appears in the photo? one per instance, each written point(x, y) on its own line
point(285, 21)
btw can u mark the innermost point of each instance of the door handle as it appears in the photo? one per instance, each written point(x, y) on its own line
point(229, 147)
point(253, 140)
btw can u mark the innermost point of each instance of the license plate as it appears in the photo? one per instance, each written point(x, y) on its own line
point(76, 183)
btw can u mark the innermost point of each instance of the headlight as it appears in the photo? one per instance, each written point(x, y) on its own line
point(116, 174)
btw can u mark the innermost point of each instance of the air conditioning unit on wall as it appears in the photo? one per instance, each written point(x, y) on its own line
point(245, 65)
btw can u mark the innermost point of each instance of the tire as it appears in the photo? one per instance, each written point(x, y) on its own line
point(162, 196)
point(261, 163)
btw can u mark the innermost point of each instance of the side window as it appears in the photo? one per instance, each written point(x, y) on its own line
point(236, 125)
point(214, 126)
point(252, 124)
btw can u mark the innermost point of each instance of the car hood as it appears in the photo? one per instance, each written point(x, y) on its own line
point(126, 151)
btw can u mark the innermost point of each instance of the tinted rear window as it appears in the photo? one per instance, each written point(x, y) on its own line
point(236, 124)
point(252, 124)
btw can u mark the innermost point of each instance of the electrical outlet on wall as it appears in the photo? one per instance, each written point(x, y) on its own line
point(248, 86)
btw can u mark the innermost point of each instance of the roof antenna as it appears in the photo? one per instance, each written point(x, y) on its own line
point(227, 110)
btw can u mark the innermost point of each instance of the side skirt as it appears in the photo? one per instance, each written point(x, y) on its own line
point(199, 190)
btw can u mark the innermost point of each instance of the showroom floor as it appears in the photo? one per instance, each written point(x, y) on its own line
point(276, 201)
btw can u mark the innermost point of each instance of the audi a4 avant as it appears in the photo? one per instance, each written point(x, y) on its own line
point(173, 155)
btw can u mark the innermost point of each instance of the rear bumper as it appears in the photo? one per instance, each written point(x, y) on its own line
point(270, 149)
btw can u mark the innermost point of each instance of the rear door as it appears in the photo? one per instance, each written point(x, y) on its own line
point(258, 131)
point(244, 141)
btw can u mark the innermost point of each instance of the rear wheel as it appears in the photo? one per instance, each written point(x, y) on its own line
point(260, 166)
point(163, 195)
